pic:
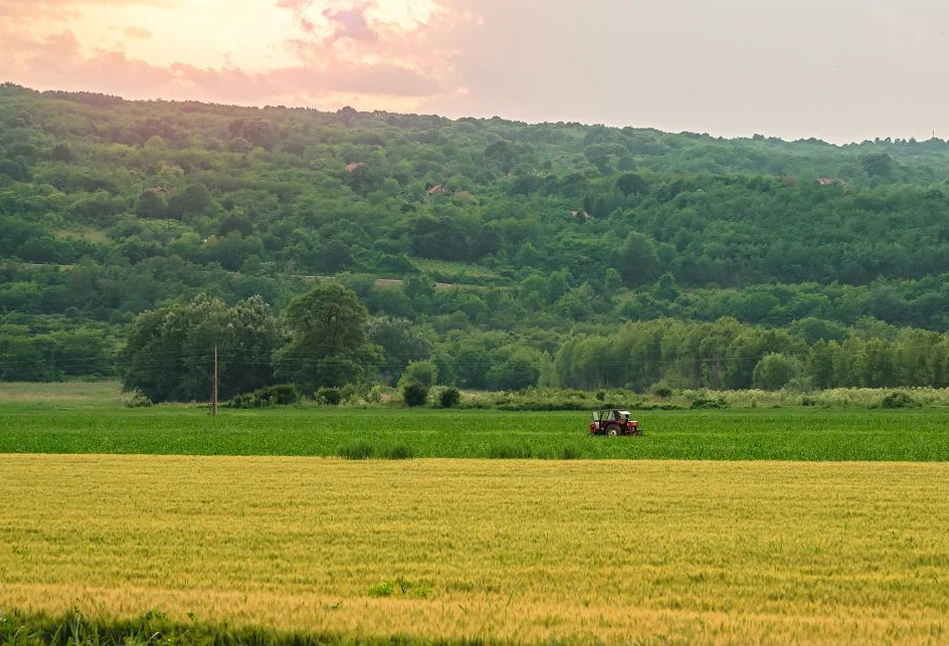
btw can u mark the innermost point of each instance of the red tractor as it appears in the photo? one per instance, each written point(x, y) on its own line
point(614, 422)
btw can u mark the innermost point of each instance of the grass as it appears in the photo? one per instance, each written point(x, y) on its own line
point(810, 434)
point(69, 394)
point(73, 628)
point(523, 551)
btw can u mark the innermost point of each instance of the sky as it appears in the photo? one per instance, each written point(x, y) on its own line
point(838, 70)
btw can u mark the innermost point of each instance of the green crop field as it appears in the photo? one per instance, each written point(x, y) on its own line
point(762, 434)
point(717, 526)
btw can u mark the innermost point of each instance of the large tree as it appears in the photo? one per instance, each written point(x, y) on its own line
point(402, 343)
point(169, 354)
point(329, 342)
point(637, 260)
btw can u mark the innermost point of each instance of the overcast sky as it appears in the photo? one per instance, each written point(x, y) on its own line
point(839, 70)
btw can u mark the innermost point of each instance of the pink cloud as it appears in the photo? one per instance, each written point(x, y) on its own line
point(56, 63)
point(350, 23)
point(137, 32)
point(295, 5)
point(62, 9)
point(345, 56)
point(235, 85)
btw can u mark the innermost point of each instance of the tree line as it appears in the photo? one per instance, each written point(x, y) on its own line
point(725, 355)
point(326, 338)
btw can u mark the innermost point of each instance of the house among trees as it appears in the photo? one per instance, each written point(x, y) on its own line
point(830, 181)
point(156, 190)
point(351, 167)
point(440, 189)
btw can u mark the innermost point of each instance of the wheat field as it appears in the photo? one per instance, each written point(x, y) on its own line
point(526, 551)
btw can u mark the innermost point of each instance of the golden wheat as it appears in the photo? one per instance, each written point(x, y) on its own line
point(521, 550)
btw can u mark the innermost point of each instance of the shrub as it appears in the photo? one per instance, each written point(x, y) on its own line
point(423, 372)
point(279, 395)
point(329, 396)
point(898, 400)
point(414, 394)
point(709, 403)
point(449, 397)
point(662, 391)
point(374, 396)
point(137, 399)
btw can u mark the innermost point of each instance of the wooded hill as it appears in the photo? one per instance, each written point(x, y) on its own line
point(547, 239)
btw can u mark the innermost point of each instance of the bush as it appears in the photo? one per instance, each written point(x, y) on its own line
point(329, 396)
point(137, 399)
point(414, 394)
point(709, 403)
point(662, 391)
point(279, 395)
point(898, 400)
point(449, 397)
point(423, 372)
point(374, 396)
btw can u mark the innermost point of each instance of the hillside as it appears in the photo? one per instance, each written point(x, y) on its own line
point(702, 255)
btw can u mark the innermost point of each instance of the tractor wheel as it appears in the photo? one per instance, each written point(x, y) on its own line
point(612, 431)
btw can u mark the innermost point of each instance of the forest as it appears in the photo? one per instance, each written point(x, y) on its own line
point(492, 254)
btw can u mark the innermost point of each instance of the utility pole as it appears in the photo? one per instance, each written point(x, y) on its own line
point(214, 385)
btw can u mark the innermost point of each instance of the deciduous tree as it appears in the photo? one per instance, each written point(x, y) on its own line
point(329, 341)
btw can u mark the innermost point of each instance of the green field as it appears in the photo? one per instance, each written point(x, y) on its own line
point(763, 434)
point(764, 525)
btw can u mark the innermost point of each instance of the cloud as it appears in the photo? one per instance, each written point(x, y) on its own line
point(378, 47)
point(729, 67)
point(57, 63)
point(137, 32)
point(295, 5)
point(350, 23)
point(235, 85)
point(60, 10)
point(372, 54)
